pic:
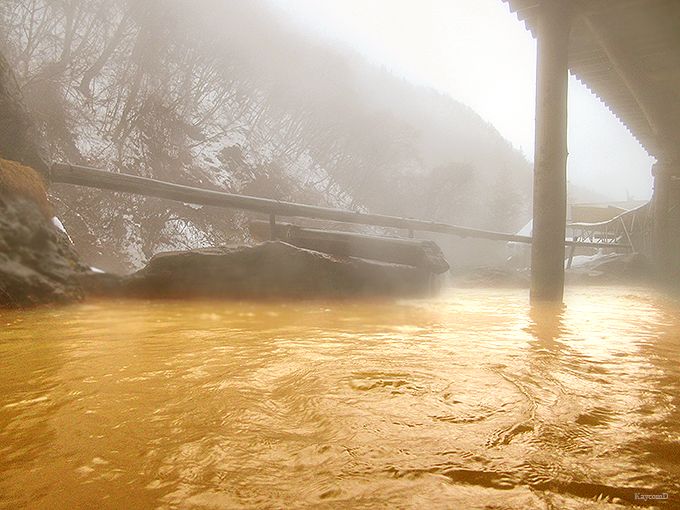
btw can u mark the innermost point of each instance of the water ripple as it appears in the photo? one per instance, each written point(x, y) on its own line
point(469, 400)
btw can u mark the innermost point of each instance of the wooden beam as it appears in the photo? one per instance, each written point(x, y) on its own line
point(550, 156)
point(100, 179)
point(632, 77)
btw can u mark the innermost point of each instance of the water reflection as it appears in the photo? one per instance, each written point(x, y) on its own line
point(547, 321)
point(29, 374)
point(659, 411)
point(467, 401)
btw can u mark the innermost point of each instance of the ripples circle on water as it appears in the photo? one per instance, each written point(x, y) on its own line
point(470, 400)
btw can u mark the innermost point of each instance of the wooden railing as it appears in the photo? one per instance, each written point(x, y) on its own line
point(631, 227)
point(100, 179)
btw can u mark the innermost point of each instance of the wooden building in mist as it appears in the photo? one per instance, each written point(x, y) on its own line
point(627, 52)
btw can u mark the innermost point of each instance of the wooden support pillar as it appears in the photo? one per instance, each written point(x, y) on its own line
point(659, 208)
point(666, 220)
point(570, 260)
point(550, 156)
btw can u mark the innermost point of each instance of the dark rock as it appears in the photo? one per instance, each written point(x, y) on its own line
point(612, 269)
point(102, 284)
point(411, 252)
point(267, 270)
point(37, 263)
point(490, 277)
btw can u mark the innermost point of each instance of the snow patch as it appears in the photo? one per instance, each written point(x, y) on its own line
point(60, 226)
point(586, 260)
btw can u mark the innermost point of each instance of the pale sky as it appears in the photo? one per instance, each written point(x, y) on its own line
point(481, 55)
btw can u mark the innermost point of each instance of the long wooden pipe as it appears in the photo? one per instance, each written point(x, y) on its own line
point(100, 179)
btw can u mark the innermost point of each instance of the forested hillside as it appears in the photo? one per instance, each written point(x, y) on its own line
point(231, 98)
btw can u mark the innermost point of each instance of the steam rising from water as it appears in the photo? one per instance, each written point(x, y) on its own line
point(459, 401)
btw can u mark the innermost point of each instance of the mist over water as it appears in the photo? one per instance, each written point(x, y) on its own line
point(466, 400)
point(235, 97)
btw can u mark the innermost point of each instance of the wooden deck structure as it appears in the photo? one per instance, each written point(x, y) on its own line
point(94, 178)
point(628, 53)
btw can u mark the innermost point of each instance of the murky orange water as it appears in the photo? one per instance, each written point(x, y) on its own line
point(469, 400)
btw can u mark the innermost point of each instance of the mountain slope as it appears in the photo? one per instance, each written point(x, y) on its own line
point(230, 97)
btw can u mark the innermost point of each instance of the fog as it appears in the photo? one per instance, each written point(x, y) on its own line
point(296, 254)
point(233, 97)
point(385, 107)
point(477, 52)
